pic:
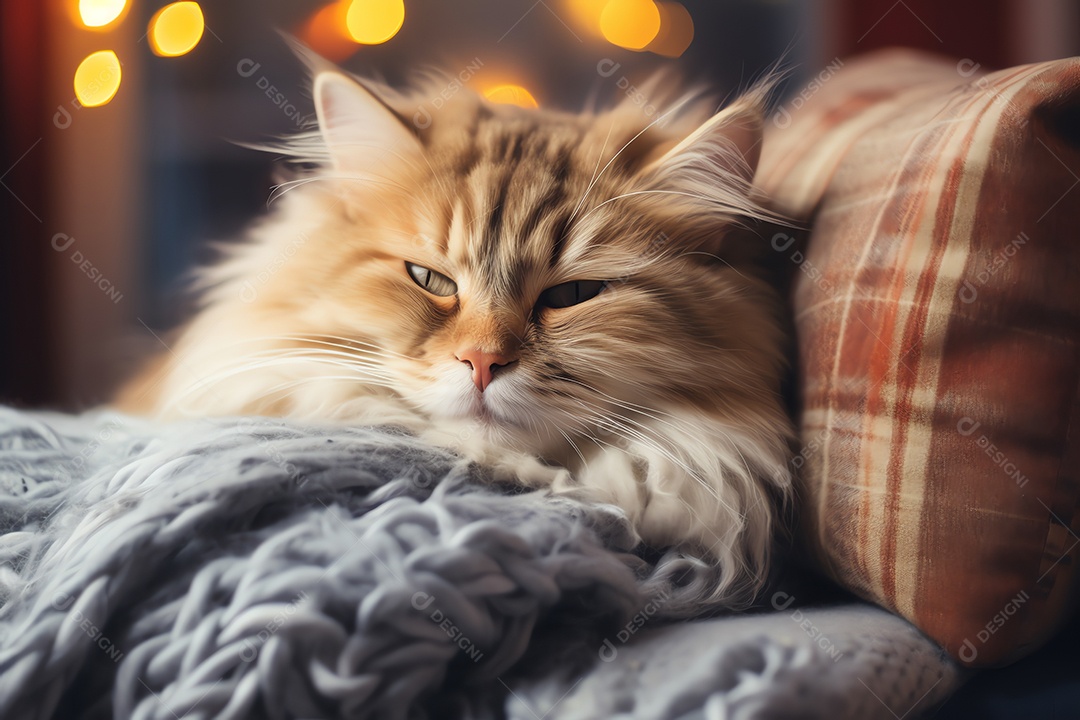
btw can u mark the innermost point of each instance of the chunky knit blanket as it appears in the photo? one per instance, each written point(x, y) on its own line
point(259, 568)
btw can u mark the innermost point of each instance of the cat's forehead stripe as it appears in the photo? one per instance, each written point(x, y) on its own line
point(546, 208)
point(468, 162)
point(518, 184)
point(558, 239)
point(491, 240)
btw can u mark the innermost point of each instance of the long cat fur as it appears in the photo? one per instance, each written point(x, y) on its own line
point(659, 395)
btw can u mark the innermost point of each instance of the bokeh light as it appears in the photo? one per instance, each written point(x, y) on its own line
point(99, 13)
point(326, 32)
point(510, 94)
point(97, 78)
point(176, 29)
point(631, 24)
point(676, 30)
point(371, 22)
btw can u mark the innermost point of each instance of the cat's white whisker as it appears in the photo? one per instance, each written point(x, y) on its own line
point(654, 413)
point(349, 355)
point(348, 344)
point(362, 373)
point(632, 436)
point(297, 383)
point(316, 352)
point(640, 433)
point(595, 174)
point(278, 191)
point(437, 177)
point(735, 210)
point(359, 345)
point(677, 106)
point(573, 445)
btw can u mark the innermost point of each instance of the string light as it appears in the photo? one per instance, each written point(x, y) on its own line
point(97, 78)
point(510, 94)
point(631, 24)
point(176, 29)
point(99, 13)
point(664, 28)
point(373, 22)
point(327, 33)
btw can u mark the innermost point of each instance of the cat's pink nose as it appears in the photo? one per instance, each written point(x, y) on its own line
point(484, 364)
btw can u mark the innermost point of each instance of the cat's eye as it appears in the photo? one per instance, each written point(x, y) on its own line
point(571, 293)
point(434, 282)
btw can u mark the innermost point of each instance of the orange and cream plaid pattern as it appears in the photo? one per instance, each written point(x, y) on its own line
point(938, 319)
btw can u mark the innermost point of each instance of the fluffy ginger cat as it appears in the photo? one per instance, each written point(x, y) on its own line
point(559, 296)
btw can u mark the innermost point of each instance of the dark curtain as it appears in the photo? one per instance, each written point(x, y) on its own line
point(25, 370)
point(974, 29)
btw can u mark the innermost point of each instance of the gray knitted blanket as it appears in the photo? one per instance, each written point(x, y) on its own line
point(259, 568)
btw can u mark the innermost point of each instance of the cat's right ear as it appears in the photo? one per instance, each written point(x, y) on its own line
point(363, 135)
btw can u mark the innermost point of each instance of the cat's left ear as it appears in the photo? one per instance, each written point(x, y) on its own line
point(363, 134)
point(724, 149)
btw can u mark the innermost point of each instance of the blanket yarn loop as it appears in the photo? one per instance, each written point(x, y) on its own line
point(242, 568)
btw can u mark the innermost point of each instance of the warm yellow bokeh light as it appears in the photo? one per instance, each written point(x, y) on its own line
point(511, 95)
point(676, 30)
point(176, 29)
point(631, 24)
point(326, 32)
point(99, 13)
point(372, 22)
point(97, 78)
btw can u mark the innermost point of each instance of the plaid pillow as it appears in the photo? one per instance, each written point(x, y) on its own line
point(938, 319)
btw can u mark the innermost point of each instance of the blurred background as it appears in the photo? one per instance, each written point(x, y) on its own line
point(120, 120)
